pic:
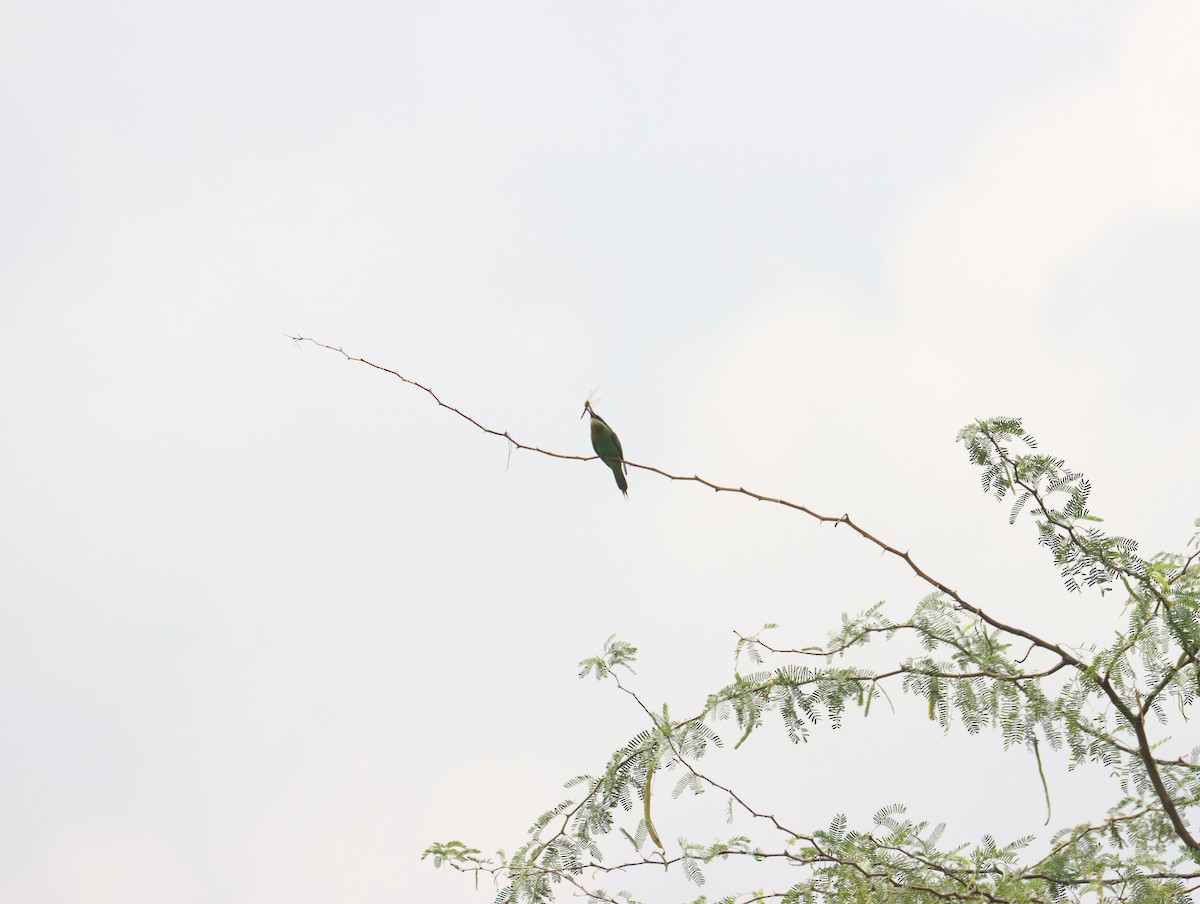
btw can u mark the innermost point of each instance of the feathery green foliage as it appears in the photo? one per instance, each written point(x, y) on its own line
point(1109, 705)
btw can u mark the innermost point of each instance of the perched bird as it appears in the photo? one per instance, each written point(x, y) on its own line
point(608, 447)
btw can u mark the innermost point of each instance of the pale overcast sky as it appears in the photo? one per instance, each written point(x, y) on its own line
point(271, 622)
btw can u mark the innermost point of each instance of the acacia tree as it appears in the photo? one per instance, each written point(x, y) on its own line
point(1109, 705)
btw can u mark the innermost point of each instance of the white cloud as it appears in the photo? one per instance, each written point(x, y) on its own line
point(851, 411)
point(1053, 174)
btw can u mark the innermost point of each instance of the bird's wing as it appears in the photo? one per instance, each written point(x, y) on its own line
point(620, 454)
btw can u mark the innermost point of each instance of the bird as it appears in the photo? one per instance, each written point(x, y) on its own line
point(608, 447)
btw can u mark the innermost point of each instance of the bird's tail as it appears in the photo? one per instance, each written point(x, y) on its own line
point(621, 481)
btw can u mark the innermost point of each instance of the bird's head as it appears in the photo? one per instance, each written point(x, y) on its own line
point(587, 405)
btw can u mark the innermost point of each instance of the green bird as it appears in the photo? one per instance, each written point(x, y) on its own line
point(608, 447)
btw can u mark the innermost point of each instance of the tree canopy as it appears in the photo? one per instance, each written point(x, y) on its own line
point(1112, 705)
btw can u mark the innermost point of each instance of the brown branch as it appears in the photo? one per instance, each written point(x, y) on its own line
point(1014, 677)
point(1154, 692)
point(1183, 569)
point(832, 651)
point(958, 875)
point(433, 395)
point(759, 497)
